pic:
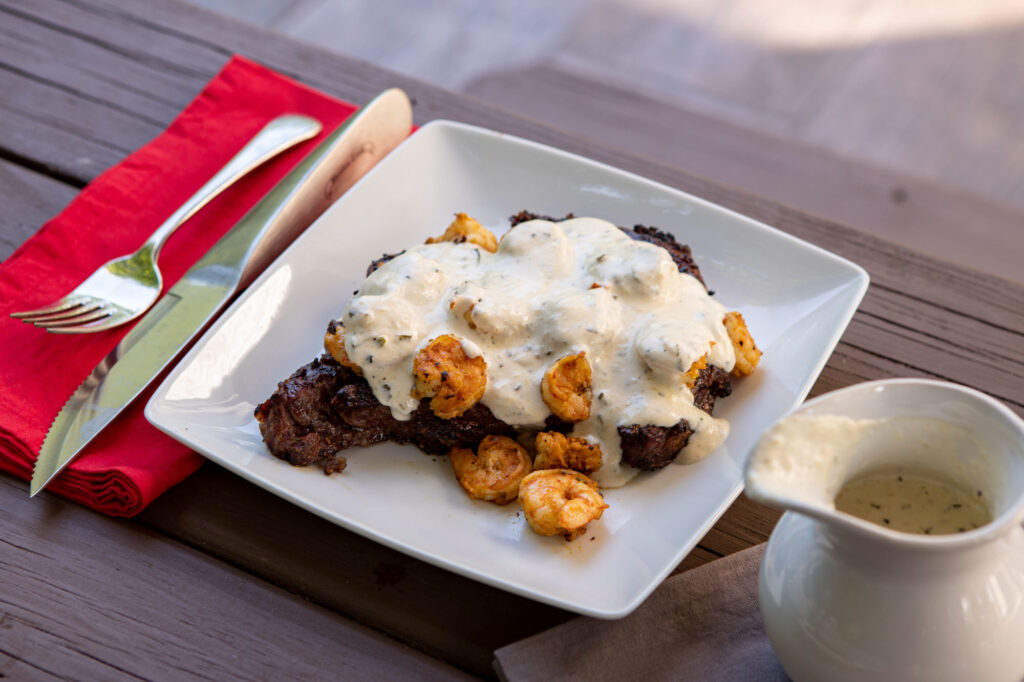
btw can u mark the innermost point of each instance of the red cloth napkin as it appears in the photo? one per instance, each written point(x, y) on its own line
point(131, 463)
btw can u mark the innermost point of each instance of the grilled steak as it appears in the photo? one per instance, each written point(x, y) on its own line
point(324, 408)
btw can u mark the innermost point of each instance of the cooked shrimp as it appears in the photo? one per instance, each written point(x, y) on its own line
point(690, 378)
point(334, 343)
point(747, 353)
point(560, 502)
point(492, 473)
point(557, 451)
point(566, 388)
point(466, 229)
point(453, 380)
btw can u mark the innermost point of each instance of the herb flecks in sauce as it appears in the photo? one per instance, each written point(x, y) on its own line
point(532, 301)
point(913, 504)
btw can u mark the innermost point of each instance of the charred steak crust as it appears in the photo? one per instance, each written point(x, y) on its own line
point(680, 253)
point(653, 447)
point(297, 422)
point(525, 216)
point(324, 408)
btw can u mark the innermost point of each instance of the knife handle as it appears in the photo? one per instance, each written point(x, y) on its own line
point(310, 188)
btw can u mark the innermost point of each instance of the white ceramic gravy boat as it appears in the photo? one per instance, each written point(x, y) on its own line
point(845, 599)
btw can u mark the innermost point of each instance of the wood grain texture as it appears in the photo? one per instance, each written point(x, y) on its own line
point(947, 223)
point(29, 199)
point(85, 597)
point(434, 610)
point(921, 88)
point(922, 317)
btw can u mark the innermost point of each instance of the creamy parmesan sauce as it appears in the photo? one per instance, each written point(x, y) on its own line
point(913, 504)
point(533, 302)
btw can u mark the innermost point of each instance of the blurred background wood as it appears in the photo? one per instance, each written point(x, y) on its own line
point(925, 93)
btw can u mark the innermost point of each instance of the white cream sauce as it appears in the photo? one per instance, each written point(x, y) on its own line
point(531, 303)
point(913, 504)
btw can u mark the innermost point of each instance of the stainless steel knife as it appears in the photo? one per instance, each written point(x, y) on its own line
point(228, 267)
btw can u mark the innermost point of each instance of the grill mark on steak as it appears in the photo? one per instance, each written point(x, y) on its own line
point(324, 408)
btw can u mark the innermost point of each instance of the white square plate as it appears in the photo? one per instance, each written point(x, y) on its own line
point(796, 298)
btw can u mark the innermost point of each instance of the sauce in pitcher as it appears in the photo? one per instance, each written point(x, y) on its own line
point(913, 504)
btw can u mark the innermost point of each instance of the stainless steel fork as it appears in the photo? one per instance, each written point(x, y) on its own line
point(124, 288)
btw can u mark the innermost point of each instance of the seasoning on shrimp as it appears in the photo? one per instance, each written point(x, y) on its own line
point(560, 502)
point(494, 471)
point(566, 388)
point(558, 451)
point(334, 343)
point(466, 229)
point(454, 381)
point(747, 353)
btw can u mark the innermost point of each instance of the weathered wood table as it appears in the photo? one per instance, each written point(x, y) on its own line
point(220, 579)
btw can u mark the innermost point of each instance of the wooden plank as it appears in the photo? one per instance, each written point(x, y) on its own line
point(187, 42)
point(80, 109)
point(407, 598)
point(948, 223)
point(29, 199)
point(85, 597)
point(1002, 345)
point(698, 557)
point(40, 120)
point(437, 611)
point(956, 359)
point(130, 33)
point(954, 289)
point(139, 88)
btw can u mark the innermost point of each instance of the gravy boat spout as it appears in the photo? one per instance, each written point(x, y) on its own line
point(844, 598)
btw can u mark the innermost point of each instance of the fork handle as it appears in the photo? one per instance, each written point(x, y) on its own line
point(280, 134)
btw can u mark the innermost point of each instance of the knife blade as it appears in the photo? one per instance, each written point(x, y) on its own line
point(227, 268)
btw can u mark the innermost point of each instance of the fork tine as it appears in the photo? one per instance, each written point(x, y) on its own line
point(98, 326)
point(55, 307)
point(77, 311)
point(91, 315)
